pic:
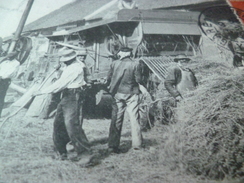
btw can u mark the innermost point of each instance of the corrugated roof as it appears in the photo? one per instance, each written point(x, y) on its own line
point(69, 13)
point(78, 9)
point(162, 25)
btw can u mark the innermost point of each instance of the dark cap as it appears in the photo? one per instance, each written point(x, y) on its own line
point(126, 49)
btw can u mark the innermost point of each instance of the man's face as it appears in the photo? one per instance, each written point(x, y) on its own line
point(81, 57)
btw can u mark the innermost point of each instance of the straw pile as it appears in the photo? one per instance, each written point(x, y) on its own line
point(207, 138)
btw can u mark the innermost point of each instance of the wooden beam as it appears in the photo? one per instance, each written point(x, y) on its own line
point(21, 25)
point(17, 88)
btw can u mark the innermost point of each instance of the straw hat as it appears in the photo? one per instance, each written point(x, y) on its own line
point(67, 55)
point(81, 52)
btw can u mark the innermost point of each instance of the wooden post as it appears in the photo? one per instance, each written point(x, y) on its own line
point(21, 25)
point(97, 56)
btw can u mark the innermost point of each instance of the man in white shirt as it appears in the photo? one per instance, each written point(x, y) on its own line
point(67, 125)
point(8, 69)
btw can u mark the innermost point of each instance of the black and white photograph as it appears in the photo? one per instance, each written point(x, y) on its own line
point(122, 91)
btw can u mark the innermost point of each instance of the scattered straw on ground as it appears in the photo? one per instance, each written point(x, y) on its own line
point(207, 138)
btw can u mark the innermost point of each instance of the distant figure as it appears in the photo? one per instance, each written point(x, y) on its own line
point(9, 67)
point(127, 4)
point(67, 122)
point(237, 61)
point(180, 79)
point(123, 82)
point(237, 48)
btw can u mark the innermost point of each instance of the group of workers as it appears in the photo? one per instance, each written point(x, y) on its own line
point(122, 82)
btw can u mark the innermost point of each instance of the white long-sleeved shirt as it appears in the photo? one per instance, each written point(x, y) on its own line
point(72, 77)
point(9, 69)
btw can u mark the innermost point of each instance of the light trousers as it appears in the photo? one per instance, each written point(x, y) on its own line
point(121, 104)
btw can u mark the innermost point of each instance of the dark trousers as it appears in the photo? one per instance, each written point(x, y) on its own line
point(68, 123)
point(4, 84)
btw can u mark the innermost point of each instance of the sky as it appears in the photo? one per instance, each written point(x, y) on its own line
point(11, 12)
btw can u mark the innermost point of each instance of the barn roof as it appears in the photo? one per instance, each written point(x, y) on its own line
point(79, 9)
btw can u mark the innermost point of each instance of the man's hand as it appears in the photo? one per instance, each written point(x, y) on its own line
point(36, 93)
point(57, 67)
point(88, 85)
point(101, 81)
point(178, 98)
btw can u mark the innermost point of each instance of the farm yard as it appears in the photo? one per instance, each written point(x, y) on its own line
point(203, 145)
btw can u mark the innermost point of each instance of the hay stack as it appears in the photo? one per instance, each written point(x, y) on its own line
point(208, 136)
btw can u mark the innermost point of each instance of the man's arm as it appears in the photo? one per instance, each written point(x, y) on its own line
point(69, 75)
point(138, 74)
point(194, 78)
point(87, 75)
point(109, 75)
point(9, 70)
point(172, 80)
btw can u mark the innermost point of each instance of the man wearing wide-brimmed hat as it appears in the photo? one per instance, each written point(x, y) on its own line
point(123, 84)
point(67, 123)
point(9, 67)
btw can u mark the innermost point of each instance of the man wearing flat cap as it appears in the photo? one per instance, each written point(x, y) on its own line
point(9, 67)
point(67, 124)
point(123, 81)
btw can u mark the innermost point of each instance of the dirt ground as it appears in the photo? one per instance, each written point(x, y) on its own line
point(27, 156)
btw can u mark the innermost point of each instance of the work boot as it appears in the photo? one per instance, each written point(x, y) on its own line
point(94, 160)
point(76, 158)
point(63, 156)
point(141, 147)
point(87, 159)
point(85, 156)
point(113, 150)
point(70, 147)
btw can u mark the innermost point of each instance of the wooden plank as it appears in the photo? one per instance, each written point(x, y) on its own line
point(157, 15)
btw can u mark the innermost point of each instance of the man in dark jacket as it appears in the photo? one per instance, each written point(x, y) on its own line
point(123, 83)
point(179, 80)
